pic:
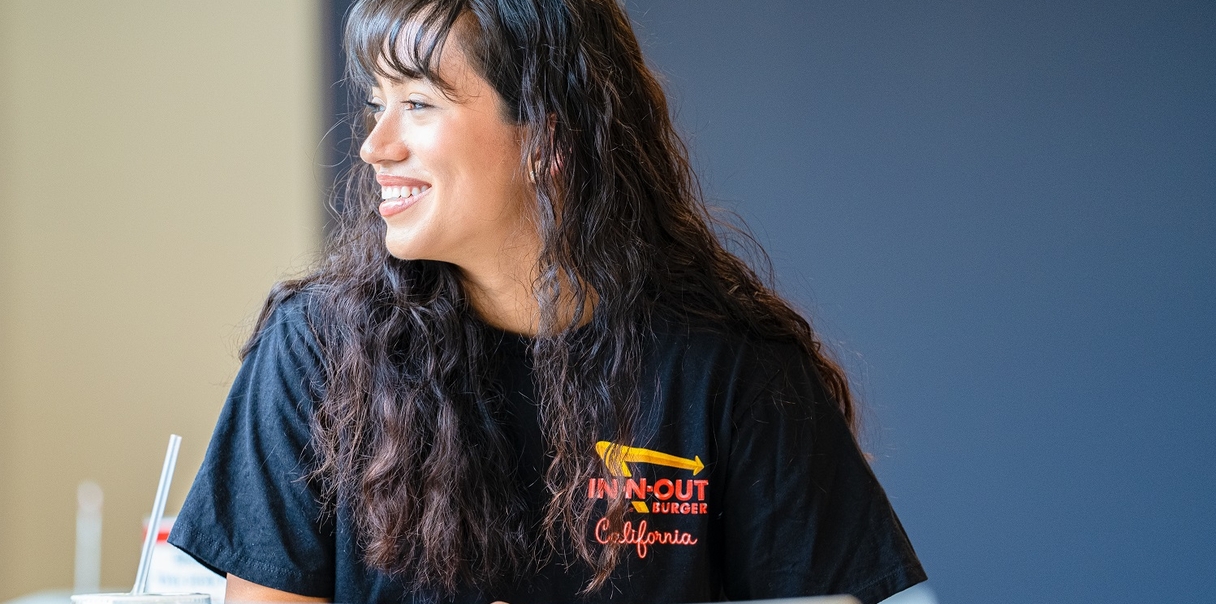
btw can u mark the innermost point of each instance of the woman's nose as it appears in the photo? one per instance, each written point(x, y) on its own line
point(384, 144)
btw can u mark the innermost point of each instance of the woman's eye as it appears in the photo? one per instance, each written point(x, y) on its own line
point(375, 108)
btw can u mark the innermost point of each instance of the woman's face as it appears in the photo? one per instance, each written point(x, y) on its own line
point(448, 167)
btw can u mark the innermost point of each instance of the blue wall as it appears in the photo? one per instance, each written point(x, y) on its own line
point(1004, 216)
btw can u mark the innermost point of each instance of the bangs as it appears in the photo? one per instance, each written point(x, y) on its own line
point(398, 40)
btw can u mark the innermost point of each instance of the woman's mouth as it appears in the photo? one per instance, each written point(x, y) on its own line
point(398, 199)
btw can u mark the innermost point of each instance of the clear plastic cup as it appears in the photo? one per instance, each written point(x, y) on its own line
point(127, 598)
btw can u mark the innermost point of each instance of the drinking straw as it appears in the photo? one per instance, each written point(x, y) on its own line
point(89, 498)
point(158, 512)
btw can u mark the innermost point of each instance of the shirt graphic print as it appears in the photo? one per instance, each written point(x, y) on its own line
point(649, 497)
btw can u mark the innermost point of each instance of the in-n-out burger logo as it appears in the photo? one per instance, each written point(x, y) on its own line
point(641, 537)
point(662, 496)
point(688, 495)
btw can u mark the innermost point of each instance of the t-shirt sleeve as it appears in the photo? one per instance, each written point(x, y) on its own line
point(250, 511)
point(804, 514)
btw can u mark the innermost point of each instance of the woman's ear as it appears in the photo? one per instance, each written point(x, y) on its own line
point(558, 155)
point(555, 166)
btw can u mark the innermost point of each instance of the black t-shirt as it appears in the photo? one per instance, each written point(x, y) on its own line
point(744, 481)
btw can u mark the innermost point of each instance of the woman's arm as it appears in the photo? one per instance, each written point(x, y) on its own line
point(251, 511)
point(239, 590)
point(803, 513)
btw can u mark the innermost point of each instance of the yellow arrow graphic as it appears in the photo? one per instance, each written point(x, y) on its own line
point(618, 458)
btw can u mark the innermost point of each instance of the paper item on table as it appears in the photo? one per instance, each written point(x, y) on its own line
point(175, 571)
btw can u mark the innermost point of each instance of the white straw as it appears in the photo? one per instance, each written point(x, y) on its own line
point(89, 498)
point(158, 512)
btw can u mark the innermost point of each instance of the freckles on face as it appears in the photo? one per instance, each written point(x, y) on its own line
point(449, 167)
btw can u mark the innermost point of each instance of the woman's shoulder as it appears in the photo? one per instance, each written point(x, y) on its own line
point(700, 333)
point(291, 308)
point(711, 346)
point(287, 327)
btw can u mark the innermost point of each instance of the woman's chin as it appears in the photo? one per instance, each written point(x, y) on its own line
point(401, 250)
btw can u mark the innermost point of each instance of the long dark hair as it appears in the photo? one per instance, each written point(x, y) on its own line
point(409, 433)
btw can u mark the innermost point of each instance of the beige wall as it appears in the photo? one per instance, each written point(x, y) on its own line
point(156, 177)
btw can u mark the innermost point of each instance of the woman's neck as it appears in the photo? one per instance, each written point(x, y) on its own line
point(505, 301)
point(506, 297)
point(500, 286)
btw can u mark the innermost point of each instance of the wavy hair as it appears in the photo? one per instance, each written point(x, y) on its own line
point(409, 429)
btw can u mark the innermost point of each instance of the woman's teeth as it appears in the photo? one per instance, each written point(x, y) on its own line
point(395, 192)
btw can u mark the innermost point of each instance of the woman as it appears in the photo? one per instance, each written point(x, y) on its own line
point(526, 368)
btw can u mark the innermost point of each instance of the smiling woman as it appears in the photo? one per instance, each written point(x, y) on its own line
point(452, 184)
point(527, 369)
point(449, 167)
